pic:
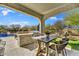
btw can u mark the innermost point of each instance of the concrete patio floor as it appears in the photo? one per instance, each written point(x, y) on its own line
point(12, 49)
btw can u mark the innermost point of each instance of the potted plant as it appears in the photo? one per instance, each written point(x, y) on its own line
point(47, 33)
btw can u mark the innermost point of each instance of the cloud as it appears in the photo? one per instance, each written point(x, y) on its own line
point(5, 11)
point(53, 18)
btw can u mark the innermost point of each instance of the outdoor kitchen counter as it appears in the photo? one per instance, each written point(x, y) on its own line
point(24, 39)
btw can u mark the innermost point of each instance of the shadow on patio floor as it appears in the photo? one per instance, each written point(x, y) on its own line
point(31, 47)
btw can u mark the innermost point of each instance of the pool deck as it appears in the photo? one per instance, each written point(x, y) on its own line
point(12, 49)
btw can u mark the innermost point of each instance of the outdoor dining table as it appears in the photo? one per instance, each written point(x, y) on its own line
point(45, 40)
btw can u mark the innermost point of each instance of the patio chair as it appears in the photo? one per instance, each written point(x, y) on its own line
point(65, 39)
point(2, 47)
point(59, 47)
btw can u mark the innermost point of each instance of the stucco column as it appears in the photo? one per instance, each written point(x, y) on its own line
point(42, 25)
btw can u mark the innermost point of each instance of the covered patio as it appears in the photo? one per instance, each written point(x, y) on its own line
point(41, 11)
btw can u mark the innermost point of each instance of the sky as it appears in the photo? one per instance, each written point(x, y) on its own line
point(52, 20)
point(8, 17)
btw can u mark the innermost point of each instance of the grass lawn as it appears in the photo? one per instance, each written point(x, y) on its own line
point(73, 44)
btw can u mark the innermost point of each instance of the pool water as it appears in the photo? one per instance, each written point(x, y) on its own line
point(6, 35)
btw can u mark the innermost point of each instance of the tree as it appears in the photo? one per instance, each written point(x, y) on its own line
point(33, 27)
point(72, 19)
point(3, 28)
point(58, 25)
point(25, 28)
point(15, 28)
point(48, 26)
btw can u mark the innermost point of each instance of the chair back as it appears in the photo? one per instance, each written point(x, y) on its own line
point(62, 45)
point(65, 39)
point(59, 46)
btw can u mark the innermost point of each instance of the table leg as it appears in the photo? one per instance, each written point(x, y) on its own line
point(57, 54)
point(39, 48)
point(47, 49)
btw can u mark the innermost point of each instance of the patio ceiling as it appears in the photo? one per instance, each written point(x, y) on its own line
point(44, 10)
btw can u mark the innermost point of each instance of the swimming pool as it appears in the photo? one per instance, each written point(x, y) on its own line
point(6, 35)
